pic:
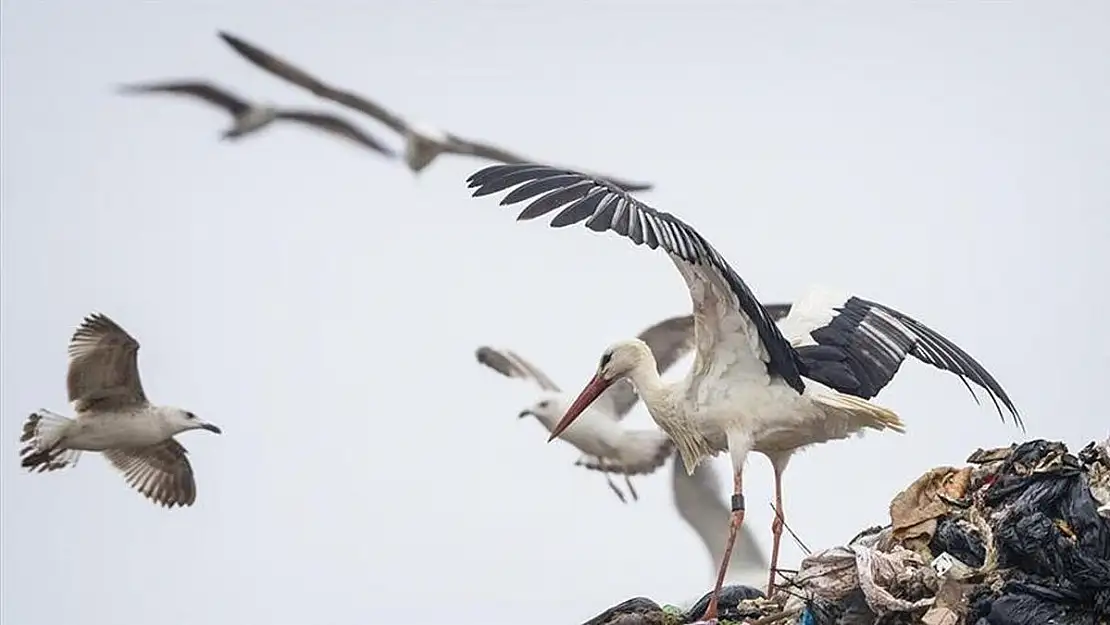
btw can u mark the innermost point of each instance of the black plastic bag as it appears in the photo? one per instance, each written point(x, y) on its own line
point(1048, 533)
point(728, 605)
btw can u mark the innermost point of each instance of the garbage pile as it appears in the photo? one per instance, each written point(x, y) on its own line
point(1020, 536)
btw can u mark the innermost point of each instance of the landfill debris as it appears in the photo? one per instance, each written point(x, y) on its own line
point(737, 602)
point(635, 611)
point(1097, 457)
point(1020, 536)
point(914, 513)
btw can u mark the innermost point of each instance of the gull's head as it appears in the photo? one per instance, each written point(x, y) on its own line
point(183, 421)
point(548, 410)
point(617, 361)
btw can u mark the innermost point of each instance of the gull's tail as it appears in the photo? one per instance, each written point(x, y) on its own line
point(42, 432)
point(644, 451)
point(639, 452)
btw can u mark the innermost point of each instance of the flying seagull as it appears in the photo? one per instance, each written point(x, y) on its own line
point(422, 143)
point(114, 418)
point(249, 117)
point(752, 387)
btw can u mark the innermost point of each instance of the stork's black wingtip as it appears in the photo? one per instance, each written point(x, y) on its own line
point(481, 190)
point(481, 173)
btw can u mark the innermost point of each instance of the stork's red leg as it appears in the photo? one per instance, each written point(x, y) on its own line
point(736, 520)
point(776, 532)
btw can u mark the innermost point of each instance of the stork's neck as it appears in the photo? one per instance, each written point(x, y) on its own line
point(653, 391)
point(665, 404)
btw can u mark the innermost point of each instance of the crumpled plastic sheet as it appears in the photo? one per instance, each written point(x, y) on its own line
point(1097, 458)
point(835, 573)
point(961, 539)
point(914, 512)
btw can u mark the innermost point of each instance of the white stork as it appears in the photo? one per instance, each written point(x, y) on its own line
point(750, 388)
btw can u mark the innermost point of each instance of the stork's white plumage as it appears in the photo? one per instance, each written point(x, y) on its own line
point(750, 388)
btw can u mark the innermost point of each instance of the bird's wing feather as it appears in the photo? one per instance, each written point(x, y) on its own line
point(199, 89)
point(725, 309)
point(338, 126)
point(778, 312)
point(103, 366)
point(160, 472)
point(286, 70)
point(510, 365)
point(856, 346)
point(700, 503)
point(473, 147)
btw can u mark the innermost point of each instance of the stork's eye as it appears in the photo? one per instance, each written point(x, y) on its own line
point(545, 403)
point(605, 358)
point(189, 415)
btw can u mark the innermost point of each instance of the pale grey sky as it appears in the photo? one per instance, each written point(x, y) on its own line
point(322, 305)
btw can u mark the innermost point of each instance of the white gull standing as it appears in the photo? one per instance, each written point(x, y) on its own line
point(750, 388)
point(114, 417)
point(423, 143)
point(249, 118)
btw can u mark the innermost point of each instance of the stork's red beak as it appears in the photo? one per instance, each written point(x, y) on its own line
point(596, 387)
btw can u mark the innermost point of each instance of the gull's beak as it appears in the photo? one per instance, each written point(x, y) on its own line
point(524, 413)
point(596, 387)
point(211, 428)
